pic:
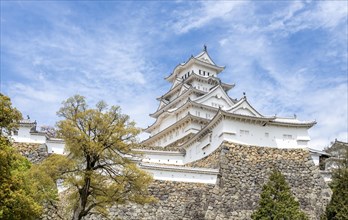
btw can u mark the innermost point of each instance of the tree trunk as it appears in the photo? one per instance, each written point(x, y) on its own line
point(77, 211)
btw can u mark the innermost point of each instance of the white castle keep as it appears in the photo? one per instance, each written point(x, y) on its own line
point(196, 116)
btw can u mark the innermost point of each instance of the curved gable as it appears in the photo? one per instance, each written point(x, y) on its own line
point(243, 107)
point(244, 111)
point(217, 97)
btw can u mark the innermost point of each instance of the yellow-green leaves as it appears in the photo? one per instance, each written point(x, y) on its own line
point(9, 116)
point(97, 140)
point(23, 187)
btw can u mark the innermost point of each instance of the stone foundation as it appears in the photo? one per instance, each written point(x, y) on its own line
point(35, 153)
point(243, 171)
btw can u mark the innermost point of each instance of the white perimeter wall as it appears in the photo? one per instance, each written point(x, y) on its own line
point(182, 176)
point(24, 136)
point(55, 147)
point(163, 158)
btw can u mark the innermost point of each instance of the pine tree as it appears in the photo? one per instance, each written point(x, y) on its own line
point(98, 171)
point(338, 206)
point(277, 201)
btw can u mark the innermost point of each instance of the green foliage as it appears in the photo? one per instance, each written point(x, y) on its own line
point(23, 187)
point(338, 206)
point(97, 170)
point(277, 201)
point(21, 195)
point(9, 116)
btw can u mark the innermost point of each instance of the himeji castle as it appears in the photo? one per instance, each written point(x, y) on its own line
point(197, 115)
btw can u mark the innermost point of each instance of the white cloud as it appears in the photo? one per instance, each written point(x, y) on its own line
point(202, 14)
point(103, 62)
point(313, 86)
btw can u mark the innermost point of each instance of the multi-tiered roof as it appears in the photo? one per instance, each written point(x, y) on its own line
point(196, 97)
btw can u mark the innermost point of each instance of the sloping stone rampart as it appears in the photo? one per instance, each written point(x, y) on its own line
point(243, 171)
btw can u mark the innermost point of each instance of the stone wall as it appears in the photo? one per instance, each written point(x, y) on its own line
point(176, 200)
point(243, 171)
point(35, 153)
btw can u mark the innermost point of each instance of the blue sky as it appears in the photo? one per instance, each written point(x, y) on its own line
point(290, 57)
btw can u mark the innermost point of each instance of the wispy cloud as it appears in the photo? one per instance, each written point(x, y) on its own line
point(289, 57)
point(69, 59)
point(203, 13)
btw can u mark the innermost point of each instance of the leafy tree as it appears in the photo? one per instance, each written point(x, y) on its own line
point(277, 201)
point(338, 206)
point(23, 187)
point(100, 172)
point(9, 116)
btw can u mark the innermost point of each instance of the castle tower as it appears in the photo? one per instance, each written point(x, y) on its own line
point(194, 98)
point(197, 116)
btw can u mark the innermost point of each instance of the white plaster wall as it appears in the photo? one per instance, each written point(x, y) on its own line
point(257, 134)
point(23, 137)
point(55, 147)
point(38, 138)
point(206, 145)
point(315, 158)
point(182, 176)
point(24, 132)
point(196, 69)
point(230, 130)
point(203, 113)
point(172, 136)
point(201, 86)
point(164, 159)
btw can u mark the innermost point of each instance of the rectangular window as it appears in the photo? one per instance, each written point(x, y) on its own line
point(198, 113)
point(200, 72)
point(266, 134)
